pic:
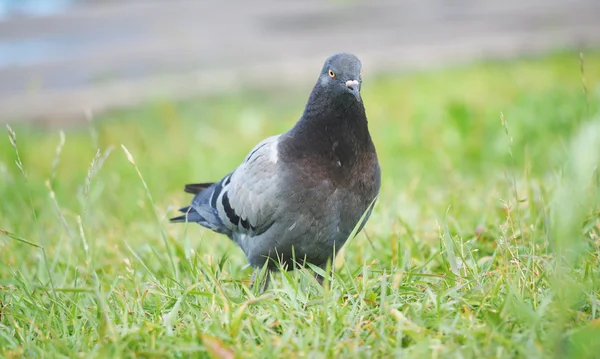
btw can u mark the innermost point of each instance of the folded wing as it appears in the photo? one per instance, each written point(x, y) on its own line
point(244, 201)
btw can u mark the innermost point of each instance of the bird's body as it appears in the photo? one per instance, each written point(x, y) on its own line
point(300, 194)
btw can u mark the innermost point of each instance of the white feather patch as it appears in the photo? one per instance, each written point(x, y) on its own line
point(273, 154)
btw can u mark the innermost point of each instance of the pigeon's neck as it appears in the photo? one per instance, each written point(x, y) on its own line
point(333, 128)
point(342, 117)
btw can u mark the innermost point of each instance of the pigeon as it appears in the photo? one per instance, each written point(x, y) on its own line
point(297, 197)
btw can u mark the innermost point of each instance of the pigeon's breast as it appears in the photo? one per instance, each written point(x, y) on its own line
point(359, 191)
point(333, 198)
point(316, 213)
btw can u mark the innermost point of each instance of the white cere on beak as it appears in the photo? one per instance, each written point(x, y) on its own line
point(352, 84)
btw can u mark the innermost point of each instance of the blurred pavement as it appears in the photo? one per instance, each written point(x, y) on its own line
point(107, 54)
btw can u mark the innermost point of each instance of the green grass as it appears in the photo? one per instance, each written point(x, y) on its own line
point(484, 243)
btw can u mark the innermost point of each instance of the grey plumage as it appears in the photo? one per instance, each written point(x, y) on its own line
point(303, 192)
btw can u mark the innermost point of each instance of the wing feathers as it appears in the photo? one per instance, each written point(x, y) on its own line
point(243, 201)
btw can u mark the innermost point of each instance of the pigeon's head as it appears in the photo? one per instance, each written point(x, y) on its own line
point(341, 74)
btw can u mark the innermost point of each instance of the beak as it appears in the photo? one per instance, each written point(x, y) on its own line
point(354, 86)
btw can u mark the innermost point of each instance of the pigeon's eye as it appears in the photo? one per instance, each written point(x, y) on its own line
point(331, 73)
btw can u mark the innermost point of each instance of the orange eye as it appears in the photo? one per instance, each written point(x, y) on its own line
point(331, 73)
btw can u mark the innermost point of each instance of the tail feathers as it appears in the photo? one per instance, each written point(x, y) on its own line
point(195, 188)
point(202, 209)
point(206, 218)
point(190, 216)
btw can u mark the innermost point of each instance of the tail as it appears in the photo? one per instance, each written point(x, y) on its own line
point(194, 188)
point(201, 210)
point(190, 215)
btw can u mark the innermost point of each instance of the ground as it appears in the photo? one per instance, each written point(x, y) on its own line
point(484, 243)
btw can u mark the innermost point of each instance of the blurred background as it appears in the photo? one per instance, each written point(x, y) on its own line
point(60, 59)
point(480, 110)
